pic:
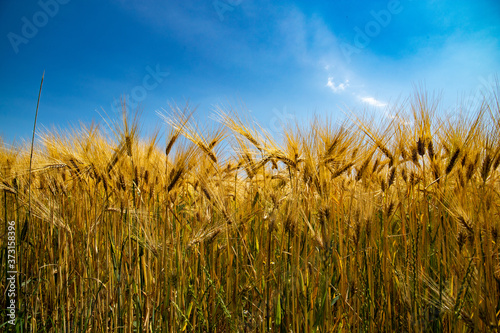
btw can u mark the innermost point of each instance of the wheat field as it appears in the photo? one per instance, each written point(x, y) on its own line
point(362, 226)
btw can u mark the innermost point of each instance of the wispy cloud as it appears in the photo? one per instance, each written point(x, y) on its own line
point(372, 101)
point(337, 88)
point(307, 38)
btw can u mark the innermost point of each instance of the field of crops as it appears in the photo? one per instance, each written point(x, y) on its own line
point(389, 225)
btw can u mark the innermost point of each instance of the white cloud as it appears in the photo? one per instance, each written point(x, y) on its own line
point(306, 37)
point(372, 101)
point(336, 88)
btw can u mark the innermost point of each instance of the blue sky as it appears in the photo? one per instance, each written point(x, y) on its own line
point(281, 60)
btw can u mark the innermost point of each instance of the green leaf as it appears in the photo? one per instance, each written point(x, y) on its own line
point(278, 312)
